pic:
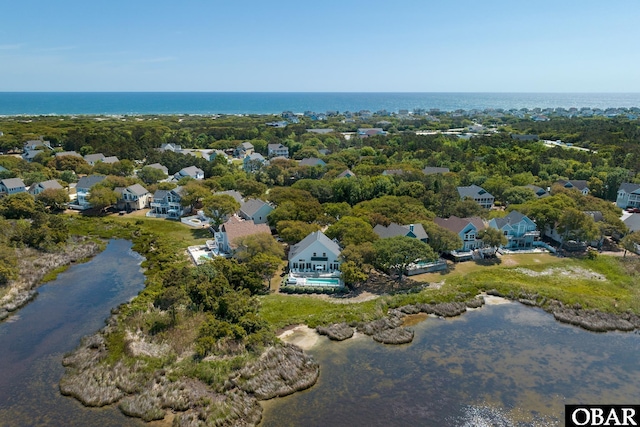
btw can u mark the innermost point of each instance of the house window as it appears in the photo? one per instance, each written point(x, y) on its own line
point(295, 265)
point(308, 266)
point(324, 254)
point(314, 254)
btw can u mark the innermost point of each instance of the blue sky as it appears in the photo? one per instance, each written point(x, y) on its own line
point(335, 46)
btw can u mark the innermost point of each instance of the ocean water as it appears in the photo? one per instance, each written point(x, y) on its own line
point(206, 103)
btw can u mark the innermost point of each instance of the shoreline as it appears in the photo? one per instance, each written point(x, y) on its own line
point(25, 289)
point(95, 383)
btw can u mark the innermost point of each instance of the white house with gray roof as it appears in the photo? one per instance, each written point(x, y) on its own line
point(38, 188)
point(82, 190)
point(277, 150)
point(12, 186)
point(477, 194)
point(191, 171)
point(134, 197)
point(316, 253)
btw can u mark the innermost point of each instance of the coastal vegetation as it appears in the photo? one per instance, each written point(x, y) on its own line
point(204, 338)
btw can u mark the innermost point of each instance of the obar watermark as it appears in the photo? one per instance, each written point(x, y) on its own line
point(601, 415)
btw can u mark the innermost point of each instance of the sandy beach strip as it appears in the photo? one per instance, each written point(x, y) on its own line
point(301, 335)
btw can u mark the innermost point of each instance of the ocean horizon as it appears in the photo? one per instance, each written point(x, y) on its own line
point(210, 103)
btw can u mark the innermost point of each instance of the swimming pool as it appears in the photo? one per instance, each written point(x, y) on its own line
point(316, 281)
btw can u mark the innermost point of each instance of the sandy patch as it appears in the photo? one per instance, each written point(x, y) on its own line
point(302, 336)
point(573, 272)
point(494, 300)
point(436, 285)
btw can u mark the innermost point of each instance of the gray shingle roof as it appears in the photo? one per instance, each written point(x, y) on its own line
point(473, 191)
point(233, 193)
point(94, 157)
point(311, 238)
point(394, 230)
point(633, 222)
point(251, 206)
point(190, 171)
point(540, 192)
point(579, 184)
point(137, 189)
point(110, 159)
point(629, 187)
point(312, 161)
point(12, 182)
point(430, 170)
point(513, 217)
point(89, 181)
point(52, 183)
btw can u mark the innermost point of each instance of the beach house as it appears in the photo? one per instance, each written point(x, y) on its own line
point(12, 186)
point(519, 230)
point(166, 204)
point(477, 194)
point(39, 187)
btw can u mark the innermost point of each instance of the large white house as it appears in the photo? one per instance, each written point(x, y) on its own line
point(315, 253)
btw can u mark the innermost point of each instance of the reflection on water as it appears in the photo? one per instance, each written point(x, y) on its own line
point(33, 342)
point(500, 365)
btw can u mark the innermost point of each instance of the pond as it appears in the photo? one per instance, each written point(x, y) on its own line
point(33, 341)
point(500, 365)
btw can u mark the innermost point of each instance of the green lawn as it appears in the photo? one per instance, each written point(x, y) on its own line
point(570, 283)
point(283, 310)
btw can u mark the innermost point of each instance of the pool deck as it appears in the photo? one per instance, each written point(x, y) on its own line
point(315, 280)
point(208, 251)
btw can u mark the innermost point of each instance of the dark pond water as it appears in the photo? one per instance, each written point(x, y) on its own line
point(33, 341)
point(500, 365)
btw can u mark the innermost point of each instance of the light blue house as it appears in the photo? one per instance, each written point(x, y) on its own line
point(12, 186)
point(519, 230)
point(253, 162)
point(466, 228)
point(256, 210)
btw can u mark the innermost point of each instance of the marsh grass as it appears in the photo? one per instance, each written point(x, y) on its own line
point(283, 310)
point(617, 293)
point(214, 373)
